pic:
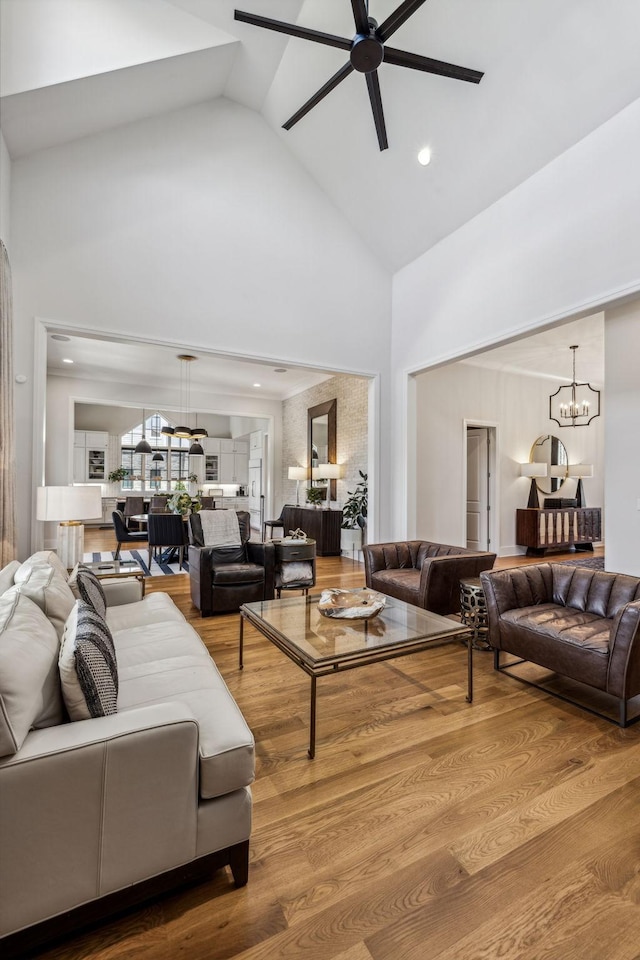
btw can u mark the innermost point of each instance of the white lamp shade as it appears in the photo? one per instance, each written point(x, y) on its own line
point(329, 471)
point(533, 470)
point(297, 473)
point(558, 470)
point(68, 503)
point(580, 469)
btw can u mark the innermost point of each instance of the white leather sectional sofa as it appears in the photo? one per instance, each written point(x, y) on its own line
point(98, 813)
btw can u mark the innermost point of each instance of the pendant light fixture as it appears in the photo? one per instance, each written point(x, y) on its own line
point(143, 445)
point(157, 457)
point(576, 404)
point(183, 431)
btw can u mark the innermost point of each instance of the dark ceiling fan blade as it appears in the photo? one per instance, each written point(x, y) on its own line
point(319, 95)
point(395, 20)
point(293, 30)
point(401, 58)
point(373, 87)
point(360, 16)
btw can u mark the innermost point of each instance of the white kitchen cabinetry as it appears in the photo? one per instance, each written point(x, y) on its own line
point(232, 503)
point(90, 455)
point(234, 467)
point(256, 443)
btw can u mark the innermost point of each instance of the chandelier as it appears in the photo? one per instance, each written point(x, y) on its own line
point(575, 404)
point(182, 431)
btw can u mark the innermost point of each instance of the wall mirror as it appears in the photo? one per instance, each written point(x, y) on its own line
point(548, 449)
point(321, 421)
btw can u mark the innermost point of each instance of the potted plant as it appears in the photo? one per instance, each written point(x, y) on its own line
point(117, 476)
point(354, 515)
point(315, 496)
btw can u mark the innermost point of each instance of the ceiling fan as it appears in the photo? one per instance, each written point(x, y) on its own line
point(367, 50)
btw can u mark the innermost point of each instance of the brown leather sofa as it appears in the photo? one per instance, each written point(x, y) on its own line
point(423, 573)
point(579, 623)
point(222, 578)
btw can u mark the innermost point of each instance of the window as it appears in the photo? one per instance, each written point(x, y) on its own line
point(145, 473)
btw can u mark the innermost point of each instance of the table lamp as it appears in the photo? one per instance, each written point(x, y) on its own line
point(69, 506)
point(533, 470)
point(329, 472)
point(297, 474)
point(580, 470)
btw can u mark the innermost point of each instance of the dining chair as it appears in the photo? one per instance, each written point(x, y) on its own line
point(207, 503)
point(279, 522)
point(123, 535)
point(166, 530)
point(158, 503)
point(133, 506)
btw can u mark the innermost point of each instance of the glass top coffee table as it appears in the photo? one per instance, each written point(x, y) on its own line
point(109, 569)
point(323, 645)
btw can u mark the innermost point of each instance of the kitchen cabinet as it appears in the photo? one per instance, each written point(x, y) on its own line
point(234, 468)
point(256, 444)
point(212, 468)
point(90, 455)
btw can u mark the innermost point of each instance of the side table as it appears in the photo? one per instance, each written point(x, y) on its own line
point(473, 612)
point(300, 577)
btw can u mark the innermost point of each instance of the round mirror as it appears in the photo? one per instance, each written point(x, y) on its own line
point(548, 449)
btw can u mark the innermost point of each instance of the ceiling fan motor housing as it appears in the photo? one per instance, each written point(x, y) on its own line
point(367, 53)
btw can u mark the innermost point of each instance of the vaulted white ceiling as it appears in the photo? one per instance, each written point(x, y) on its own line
point(554, 71)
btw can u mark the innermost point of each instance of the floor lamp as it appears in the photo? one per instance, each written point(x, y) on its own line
point(69, 506)
point(297, 474)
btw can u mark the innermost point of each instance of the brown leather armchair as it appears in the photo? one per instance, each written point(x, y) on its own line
point(425, 574)
point(576, 622)
point(222, 578)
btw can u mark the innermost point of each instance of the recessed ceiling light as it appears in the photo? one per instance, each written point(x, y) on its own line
point(59, 336)
point(279, 369)
point(424, 157)
point(257, 384)
point(66, 360)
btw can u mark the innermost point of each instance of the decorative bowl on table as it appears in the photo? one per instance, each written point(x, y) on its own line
point(351, 604)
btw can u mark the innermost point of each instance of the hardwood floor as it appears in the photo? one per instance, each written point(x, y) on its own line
point(426, 827)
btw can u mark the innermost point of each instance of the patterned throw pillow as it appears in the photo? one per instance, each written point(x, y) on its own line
point(88, 667)
point(90, 590)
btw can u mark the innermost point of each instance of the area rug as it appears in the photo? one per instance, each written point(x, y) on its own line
point(142, 556)
point(593, 563)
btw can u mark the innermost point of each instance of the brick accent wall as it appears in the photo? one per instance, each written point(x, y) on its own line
point(352, 395)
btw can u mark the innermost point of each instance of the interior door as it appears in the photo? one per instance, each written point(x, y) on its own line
point(477, 488)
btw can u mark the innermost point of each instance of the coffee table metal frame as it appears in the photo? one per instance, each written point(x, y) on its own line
point(339, 662)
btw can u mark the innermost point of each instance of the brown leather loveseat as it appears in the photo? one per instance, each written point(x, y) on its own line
point(423, 573)
point(579, 623)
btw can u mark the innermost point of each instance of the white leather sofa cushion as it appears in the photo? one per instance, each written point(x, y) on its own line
point(167, 661)
point(44, 584)
point(52, 558)
point(7, 574)
point(29, 686)
point(154, 608)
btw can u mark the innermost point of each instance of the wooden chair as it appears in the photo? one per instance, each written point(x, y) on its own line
point(133, 506)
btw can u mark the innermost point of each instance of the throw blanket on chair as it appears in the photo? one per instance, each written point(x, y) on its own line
point(220, 528)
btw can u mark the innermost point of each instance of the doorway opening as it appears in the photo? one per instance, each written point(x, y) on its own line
point(480, 487)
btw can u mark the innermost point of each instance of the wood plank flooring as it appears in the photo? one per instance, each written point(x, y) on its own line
point(425, 827)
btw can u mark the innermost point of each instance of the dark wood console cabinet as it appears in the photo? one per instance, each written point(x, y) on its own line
point(323, 526)
point(571, 527)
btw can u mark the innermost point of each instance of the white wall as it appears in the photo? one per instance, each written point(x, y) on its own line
point(519, 406)
point(622, 332)
point(563, 243)
point(197, 229)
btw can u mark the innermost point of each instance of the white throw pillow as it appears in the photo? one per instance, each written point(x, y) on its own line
point(43, 584)
point(29, 683)
point(88, 668)
point(52, 558)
